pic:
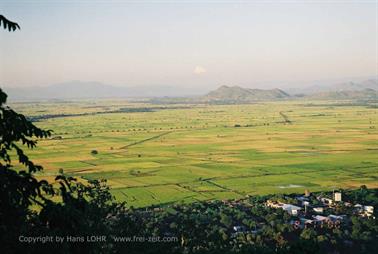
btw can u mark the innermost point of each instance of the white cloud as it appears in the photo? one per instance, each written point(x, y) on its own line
point(199, 70)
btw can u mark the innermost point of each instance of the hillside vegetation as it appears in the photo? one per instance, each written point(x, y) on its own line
point(236, 94)
point(366, 94)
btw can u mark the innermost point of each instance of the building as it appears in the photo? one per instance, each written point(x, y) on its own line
point(239, 228)
point(291, 209)
point(325, 201)
point(334, 218)
point(304, 200)
point(318, 219)
point(369, 209)
point(318, 209)
point(364, 210)
point(306, 222)
point(274, 204)
point(337, 196)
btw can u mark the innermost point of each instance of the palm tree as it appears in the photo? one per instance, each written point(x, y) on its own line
point(7, 24)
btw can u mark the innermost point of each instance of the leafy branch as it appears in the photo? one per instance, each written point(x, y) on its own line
point(7, 24)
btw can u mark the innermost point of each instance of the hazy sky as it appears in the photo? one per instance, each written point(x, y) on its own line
point(191, 43)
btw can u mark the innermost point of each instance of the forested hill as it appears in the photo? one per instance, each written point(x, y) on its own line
point(239, 94)
point(345, 95)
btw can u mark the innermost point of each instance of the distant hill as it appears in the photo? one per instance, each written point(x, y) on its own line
point(236, 94)
point(169, 94)
point(337, 87)
point(366, 94)
point(82, 90)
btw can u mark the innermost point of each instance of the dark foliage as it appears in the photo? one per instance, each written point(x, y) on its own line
point(7, 24)
point(19, 189)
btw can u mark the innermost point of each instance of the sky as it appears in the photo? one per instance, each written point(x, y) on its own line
point(187, 43)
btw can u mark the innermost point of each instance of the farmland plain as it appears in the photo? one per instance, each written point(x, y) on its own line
point(182, 153)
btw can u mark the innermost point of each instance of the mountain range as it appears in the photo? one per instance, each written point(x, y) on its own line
point(87, 90)
point(235, 94)
point(365, 94)
point(337, 87)
point(367, 89)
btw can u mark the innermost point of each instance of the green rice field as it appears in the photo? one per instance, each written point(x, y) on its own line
point(182, 153)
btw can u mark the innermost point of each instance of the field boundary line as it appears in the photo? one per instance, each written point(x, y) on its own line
point(145, 140)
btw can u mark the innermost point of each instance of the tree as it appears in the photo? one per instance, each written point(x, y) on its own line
point(308, 234)
point(7, 24)
point(19, 188)
point(226, 220)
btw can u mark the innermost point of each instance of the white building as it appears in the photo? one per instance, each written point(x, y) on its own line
point(291, 209)
point(365, 210)
point(337, 196)
point(369, 209)
point(336, 217)
point(325, 201)
point(318, 209)
point(238, 228)
point(320, 219)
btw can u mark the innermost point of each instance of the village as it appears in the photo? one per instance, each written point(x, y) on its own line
point(310, 210)
point(291, 213)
